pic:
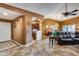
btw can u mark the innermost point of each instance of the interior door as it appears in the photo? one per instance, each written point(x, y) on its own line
point(5, 31)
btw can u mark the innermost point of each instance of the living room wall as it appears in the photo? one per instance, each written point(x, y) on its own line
point(72, 21)
point(50, 22)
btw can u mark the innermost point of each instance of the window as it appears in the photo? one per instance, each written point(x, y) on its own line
point(54, 27)
point(69, 28)
point(64, 29)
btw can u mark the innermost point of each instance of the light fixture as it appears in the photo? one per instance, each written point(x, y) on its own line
point(59, 16)
point(51, 26)
point(34, 18)
point(5, 14)
point(47, 26)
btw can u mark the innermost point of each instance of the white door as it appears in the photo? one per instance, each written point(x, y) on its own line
point(5, 31)
point(38, 35)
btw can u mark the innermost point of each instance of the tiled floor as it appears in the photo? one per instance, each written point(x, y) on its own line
point(42, 48)
point(7, 45)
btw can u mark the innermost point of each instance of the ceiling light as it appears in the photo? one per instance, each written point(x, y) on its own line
point(34, 18)
point(59, 16)
point(5, 14)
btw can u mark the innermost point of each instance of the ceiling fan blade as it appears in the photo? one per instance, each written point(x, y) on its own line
point(74, 11)
point(66, 13)
point(73, 14)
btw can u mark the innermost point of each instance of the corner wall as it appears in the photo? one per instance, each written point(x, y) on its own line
point(18, 30)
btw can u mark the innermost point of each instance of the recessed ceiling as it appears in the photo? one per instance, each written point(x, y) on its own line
point(49, 10)
point(7, 14)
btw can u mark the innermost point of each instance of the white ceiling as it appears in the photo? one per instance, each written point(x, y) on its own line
point(41, 8)
point(10, 14)
point(49, 10)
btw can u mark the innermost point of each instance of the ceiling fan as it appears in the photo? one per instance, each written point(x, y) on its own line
point(67, 13)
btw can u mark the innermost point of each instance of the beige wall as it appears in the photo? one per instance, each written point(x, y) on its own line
point(49, 22)
point(18, 30)
point(72, 21)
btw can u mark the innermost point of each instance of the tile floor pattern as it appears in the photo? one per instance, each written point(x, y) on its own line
point(6, 45)
point(42, 48)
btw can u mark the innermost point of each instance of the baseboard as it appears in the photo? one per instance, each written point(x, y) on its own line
point(5, 41)
point(15, 42)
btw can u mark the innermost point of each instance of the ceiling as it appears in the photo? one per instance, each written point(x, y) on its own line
point(7, 14)
point(49, 10)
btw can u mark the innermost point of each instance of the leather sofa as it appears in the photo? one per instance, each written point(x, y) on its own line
point(68, 38)
point(76, 38)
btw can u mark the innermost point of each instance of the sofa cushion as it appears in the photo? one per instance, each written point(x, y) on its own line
point(76, 34)
point(76, 38)
point(66, 39)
